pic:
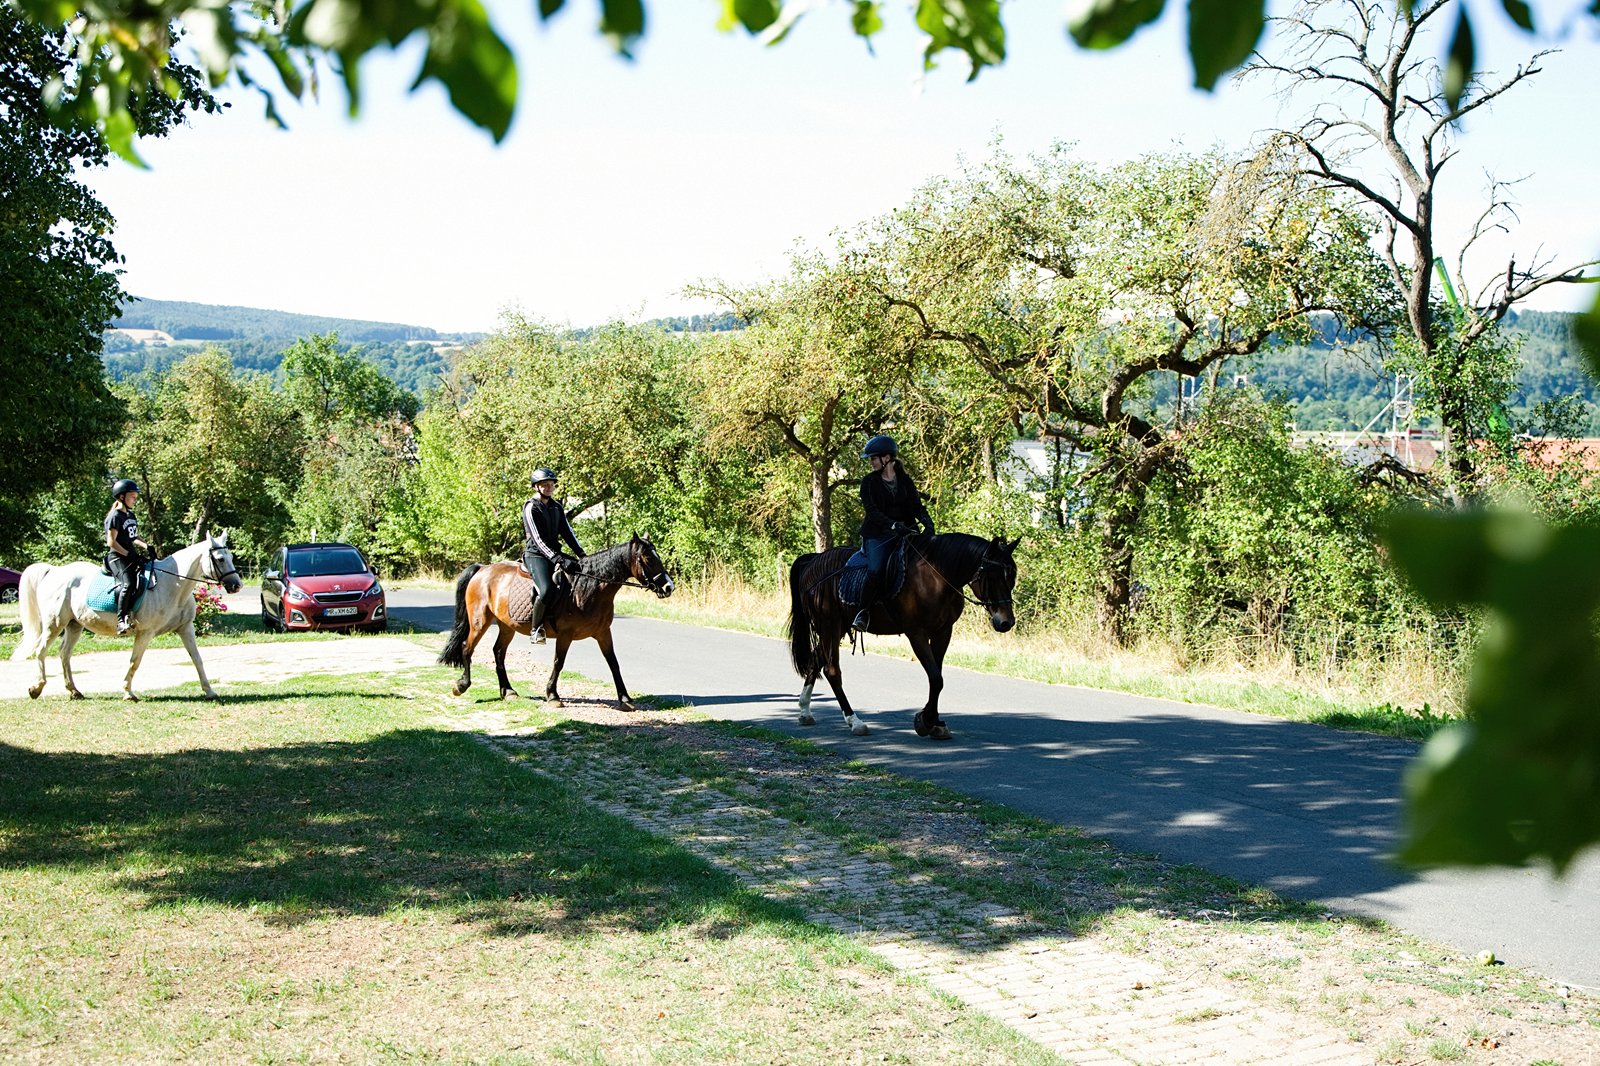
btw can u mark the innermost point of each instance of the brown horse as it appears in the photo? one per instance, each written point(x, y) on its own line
point(925, 610)
point(499, 594)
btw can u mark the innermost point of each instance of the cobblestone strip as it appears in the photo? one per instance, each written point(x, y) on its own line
point(1089, 1005)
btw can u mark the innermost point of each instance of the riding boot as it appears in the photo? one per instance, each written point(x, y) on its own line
point(124, 610)
point(869, 596)
point(537, 633)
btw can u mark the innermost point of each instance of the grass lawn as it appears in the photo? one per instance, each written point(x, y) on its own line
point(322, 870)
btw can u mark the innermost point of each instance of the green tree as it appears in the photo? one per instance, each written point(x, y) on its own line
point(210, 450)
point(816, 371)
point(1074, 289)
point(1392, 104)
point(58, 283)
point(329, 385)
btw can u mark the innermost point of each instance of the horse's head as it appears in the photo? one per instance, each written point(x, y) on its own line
point(219, 563)
point(647, 568)
point(996, 577)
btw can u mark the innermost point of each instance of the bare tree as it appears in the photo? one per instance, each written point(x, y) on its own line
point(1384, 95)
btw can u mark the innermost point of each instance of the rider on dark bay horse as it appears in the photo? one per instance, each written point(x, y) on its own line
point(891, 503)
point(544, 521)
point(126, 551)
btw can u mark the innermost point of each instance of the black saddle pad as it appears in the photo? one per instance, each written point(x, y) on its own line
point(853, 578)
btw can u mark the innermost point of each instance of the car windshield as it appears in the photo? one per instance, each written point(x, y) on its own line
point(325, 562)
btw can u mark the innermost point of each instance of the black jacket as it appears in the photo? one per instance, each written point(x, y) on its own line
point(545, 524)
point(885, 506)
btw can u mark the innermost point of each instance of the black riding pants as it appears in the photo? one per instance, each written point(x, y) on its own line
point(128, 572)
point(542, 571)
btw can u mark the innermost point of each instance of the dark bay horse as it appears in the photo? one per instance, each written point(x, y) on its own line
point(499, 595)
point(926, 609)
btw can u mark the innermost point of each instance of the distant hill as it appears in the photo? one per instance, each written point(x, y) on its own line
point(213, 322)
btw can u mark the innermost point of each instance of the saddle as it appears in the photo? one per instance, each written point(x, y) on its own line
point(560, 594)
point(853, 578)
point(100, 593)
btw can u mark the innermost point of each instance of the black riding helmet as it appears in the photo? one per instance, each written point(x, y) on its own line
point(544, 473)
point(123, 487)
point(880, 445)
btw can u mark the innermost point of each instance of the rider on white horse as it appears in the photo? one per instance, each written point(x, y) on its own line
point(128, 552)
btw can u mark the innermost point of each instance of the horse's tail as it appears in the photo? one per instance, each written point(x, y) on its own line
point(455, 648)
point(28, 602)
point(801, 644)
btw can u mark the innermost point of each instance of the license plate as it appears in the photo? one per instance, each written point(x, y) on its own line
point(340, 612)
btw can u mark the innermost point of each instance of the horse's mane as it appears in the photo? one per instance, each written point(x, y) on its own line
point(955, 554)
point(606, 565)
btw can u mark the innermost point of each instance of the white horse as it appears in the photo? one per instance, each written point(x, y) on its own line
point(54, 601)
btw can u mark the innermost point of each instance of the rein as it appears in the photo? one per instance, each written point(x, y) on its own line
point(958, 589)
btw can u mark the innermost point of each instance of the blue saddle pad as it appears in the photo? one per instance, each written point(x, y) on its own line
point(853, 578)
point(101, 593)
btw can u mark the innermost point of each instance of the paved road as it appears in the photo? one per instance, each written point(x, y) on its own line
point(1307, 811)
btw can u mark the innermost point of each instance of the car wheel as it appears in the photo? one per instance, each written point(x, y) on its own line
point(8, 595)
point(269, 623)
point(376, 627)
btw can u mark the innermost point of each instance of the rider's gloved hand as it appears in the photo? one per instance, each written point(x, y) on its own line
point(567, 563)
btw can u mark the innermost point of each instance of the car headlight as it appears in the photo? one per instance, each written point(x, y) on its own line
point(297, 594)
point(375, 590)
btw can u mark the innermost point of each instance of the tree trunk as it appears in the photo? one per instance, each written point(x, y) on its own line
point(202, 523)
point(821, 507)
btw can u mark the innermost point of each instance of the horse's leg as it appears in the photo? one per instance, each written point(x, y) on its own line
point(502, 641)
point(477, 626)
point(806, 717)
point(48, 631)
point(930, 650)
point(603, 638)
point(186, 634)
point(551, 697)
point(141, 641)
point(69, 640)
point(830, 670)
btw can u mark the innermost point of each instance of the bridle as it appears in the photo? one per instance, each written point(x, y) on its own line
point(660, 584)
point(984, 563)
point(218, 578)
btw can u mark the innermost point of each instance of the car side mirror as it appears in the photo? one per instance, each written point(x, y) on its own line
point(271, 575)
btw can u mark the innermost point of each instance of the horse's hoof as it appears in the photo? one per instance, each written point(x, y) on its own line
point(808, 719)
point(920, 724)
point(128, 697)
point(33, 693)
point(940, 732)
point(554, 702)
point(456, 690)
point(74, 694)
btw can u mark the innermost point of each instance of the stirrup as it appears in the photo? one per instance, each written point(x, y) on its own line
point(123, 625)
point(537, 636)
point(863, 618)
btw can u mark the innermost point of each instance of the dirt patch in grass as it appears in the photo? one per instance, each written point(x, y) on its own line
point(1404, 999)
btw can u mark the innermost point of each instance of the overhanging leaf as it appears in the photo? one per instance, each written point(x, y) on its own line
point(1461, 61)
point(971, 26)
point(474, 65)
point(1519, 12)
point(1587, 332)
point(753, 15)
point(1107, 23)
point(866, 19)
point(1222, 35)
point(1522, 780)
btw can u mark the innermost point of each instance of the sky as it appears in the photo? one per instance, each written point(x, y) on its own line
point(713, 156)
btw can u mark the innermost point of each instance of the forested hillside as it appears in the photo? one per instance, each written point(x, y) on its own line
point(215, 322)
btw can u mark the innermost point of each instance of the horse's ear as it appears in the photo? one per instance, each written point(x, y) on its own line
point(222, 539)
point(1012, 547)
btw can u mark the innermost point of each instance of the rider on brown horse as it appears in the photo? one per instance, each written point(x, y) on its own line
point(544, 521)
point(891, 503)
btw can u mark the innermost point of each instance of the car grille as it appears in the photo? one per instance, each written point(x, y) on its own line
point(337, 597)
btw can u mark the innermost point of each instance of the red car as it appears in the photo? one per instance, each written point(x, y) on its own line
point(9, 582)
point(322, 586)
